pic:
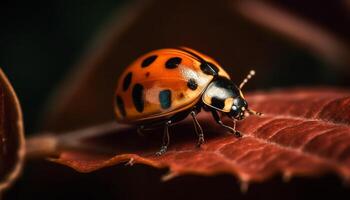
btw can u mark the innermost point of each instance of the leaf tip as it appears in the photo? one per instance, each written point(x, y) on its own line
point(170, 175)
point(244, 186)
point(244, 180)
point(287, 176)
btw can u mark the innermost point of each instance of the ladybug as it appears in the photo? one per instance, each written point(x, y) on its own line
point(165, 86)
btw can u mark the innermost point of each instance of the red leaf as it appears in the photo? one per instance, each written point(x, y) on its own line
point(303, 132)
point(11, 134)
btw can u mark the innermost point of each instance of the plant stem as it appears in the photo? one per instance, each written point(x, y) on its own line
point(50, 144)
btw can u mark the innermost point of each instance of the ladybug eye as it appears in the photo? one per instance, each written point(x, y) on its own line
point(234, 111)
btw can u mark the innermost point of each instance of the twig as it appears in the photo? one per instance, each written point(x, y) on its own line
point(320, 41)
point(50, 144)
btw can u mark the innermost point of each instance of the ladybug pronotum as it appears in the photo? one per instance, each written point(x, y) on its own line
point(164, 86)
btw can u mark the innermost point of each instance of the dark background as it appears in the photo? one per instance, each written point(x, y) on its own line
point(42, 40)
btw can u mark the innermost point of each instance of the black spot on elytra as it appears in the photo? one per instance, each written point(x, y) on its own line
point(173, 62)
point(217, 103)
point(120, 105)
point(192, 84)
point(209, 68)
point(137, 97)
point(181, 95)
point(149, 60)
point(165, 99)
point(127, 81)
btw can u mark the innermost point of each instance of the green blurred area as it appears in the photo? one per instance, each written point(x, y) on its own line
point(42, 40)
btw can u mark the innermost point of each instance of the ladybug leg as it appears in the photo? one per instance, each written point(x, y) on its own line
point(143, 128)
point(140, 130)
point(218, 120)
point(166, 139)
point(198, 129)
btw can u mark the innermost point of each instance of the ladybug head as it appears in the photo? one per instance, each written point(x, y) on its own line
point(239, 109)
point(223, 95)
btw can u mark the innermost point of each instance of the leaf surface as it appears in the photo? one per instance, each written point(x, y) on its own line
point(304, 132)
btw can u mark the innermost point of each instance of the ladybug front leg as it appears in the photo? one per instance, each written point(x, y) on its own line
point(166, 139)
point(218, 120)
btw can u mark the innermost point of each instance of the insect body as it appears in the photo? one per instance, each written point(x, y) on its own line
point(165, 86)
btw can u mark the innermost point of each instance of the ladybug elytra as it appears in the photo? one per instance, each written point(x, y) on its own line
point(164, 86)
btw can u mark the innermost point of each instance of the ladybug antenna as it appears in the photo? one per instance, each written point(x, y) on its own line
point(249, 76)
point(253, 112)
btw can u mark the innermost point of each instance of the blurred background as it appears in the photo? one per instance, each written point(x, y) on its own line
point(41, 40)
point(289, 44)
